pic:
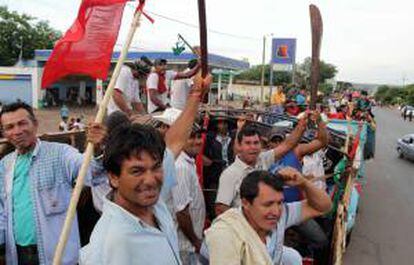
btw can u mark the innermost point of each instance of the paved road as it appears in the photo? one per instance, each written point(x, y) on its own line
point(384, 232)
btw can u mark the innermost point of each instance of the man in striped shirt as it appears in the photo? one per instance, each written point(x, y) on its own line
point(189, 201)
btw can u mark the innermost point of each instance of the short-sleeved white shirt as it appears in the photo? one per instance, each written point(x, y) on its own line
point(129, 86)
point(179, 92)
point(188, 192)
point(152, 83)
point(228, 192)
point(313, 165)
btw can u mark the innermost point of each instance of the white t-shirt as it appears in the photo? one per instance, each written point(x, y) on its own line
point(152, 83)
point(179, 92)
point(313, 165)
point(129, 86)
point(228, 192)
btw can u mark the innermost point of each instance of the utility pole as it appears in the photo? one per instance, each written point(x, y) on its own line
point(271, 83)
point(271, 72)
point(263, 70)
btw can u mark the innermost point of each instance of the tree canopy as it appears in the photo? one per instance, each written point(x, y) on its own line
point(302, 75)
point(395, 95)
point(21, 34)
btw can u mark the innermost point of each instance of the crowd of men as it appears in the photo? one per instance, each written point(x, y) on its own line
point(146, 183)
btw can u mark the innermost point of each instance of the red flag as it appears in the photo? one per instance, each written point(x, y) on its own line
point(86, 48)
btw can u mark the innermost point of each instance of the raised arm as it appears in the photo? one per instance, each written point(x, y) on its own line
point(317, 201)
point(188, 74)
point(291, 141)
point(320, 142)
point(176, 137)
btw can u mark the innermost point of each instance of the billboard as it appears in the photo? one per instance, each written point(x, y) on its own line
point(283, 51)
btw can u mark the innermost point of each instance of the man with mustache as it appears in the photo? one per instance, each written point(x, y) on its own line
point(36, 183)
point(250, 158)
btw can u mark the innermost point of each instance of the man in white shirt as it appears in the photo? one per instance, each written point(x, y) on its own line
point(126, 97)
point(181, 88)
point(254, 232)
point(158, 81)
point(250, 158)
point(189, 201)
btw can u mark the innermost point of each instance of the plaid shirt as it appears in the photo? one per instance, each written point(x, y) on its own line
point(53, 169)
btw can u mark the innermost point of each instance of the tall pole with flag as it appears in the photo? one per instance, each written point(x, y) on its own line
point(99, 117)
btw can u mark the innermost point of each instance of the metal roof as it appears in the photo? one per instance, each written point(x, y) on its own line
point(217, 61)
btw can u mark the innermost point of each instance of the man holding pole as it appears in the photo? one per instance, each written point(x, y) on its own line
point(158, 81)
point(126, 97)
point(135, 225)
point(36, 184)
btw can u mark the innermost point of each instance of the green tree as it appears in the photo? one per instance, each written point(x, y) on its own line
point(255, 74)
point(394, 95)
point(326, 71)
point(21, 34)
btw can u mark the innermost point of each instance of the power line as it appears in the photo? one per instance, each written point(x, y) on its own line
point(196, 26)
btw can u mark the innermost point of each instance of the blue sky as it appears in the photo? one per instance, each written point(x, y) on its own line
point(370, 40)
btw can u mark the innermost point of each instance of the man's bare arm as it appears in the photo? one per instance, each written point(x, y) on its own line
point(291, 141)
point(188, 74)
point(177, 136)
point(120, 101)
point(186, 225)
point(320, 142)
point(153, 95)
point(138, 107)
point(220, 208)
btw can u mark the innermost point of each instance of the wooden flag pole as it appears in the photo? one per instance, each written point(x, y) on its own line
point(89, 149)
point(317, 29)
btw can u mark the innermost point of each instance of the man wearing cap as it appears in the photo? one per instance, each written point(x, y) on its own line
point(157, 84)
point(126, 97)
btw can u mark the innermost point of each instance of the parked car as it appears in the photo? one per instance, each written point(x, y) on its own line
point(405, 147)
point(408, 108)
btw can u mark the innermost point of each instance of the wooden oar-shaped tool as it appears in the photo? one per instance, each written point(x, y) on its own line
point(203, 41)
point(317, 29)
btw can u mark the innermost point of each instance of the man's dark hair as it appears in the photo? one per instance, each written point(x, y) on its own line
point(116, 119)
point(249, 188)
point(192, 63)
point(12, 107)
point(247, 130)
point(130, 140)
point(160, 61)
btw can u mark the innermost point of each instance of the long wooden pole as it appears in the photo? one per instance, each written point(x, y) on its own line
point(203, 37)
point(89, 149)
point(317, 29)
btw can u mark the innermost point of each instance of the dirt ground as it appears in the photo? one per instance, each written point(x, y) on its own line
point(49, 118)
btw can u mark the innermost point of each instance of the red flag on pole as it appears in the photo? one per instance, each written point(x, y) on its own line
point(86, 48)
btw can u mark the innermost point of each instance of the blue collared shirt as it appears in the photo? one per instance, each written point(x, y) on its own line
point(53, 169)
point(121, 238)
